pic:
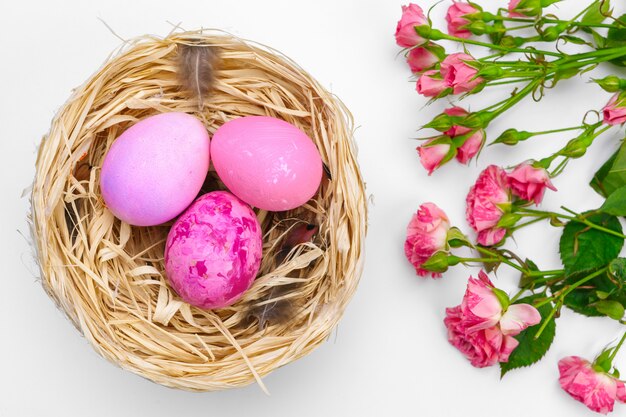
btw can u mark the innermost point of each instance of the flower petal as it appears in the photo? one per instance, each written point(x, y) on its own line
point(518, 317)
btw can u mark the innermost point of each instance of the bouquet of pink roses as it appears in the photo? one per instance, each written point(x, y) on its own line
point(524, 47)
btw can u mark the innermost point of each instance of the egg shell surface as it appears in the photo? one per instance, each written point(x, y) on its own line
point(267, 162)
point(213, 251)
point(155, 169)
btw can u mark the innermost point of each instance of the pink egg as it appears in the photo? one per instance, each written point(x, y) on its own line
point(213, 251)
point(155, 169)
point(267, 162)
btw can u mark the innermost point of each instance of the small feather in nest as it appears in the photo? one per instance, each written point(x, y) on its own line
point(297, 235)
point(273, 309)
point(196, 70)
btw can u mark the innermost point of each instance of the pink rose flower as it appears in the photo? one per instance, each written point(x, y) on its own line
point(615, 111)
point(457, 21)
point(458, 75)
point(597, 390)
point(484, 204)
point(412, 15)
point(420, 59)
point(431, 156)
point(430, 84)
point(530, 183)
point(481, 329)
point(473, 144)
point(426, 234)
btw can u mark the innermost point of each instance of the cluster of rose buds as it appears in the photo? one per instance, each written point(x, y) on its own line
point(486, 325)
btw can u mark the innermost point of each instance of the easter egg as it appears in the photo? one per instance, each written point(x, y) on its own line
point(267, 162)
point(155, 169)
point(213, 251)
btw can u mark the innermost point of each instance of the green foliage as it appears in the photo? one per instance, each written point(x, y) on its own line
point(531, 350)
point(615, 203)
point(603, 183)
point(597, 12)
point(585, 249)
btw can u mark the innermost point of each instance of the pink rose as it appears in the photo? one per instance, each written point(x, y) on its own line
point(420, 59)
point(481, 329)
point(530, 183)
point(597, 390)
point(615, 111)
point(458, 75)
point(484, 204)
point(412, 15)
point(472, 144)
point(430, 84)
point(457, 20)
point(426, 234)
point(431, 155)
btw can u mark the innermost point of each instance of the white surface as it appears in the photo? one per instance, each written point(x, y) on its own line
point(390, 354)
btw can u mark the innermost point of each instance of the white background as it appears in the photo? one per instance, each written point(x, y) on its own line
point(390, 355)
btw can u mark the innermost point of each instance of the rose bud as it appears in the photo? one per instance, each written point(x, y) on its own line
point(458, 74)
point(458, 18)
point(614, 112)
point(430, 84)
point(435, 152)
point(530, 183)
point(426, 235)
point(406, 36)
point(486, 203)
point(471, 140)
point(611, 84)
point(421, 59)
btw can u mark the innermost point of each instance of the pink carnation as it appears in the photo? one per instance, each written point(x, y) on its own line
point(472, 144)
point(412, 15)
point(615, 111)
point(481, 329)
point(484, 204)
point(530, 183)
point(597, 390)
point(457, 21)
point(458, 74)
point(420, 59)
point(426, 234)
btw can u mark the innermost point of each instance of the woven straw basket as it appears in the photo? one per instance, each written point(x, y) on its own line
point(109, 277)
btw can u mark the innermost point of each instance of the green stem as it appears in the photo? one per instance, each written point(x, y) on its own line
point(571, 288)
point(617, 348)
point(499, 257)
point(547, 320)
point(498, 47)
point(516, 98)
point(483, 260)
point(578, 218)
point(566, 129)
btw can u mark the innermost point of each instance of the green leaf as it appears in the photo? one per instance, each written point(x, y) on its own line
point(599, 179)
point(616, 36)
point(617, 270)
point(585, 249)
point(596, 13)
point(610, 308)
point(575, 40)
point(531, 350)
point(615, 204)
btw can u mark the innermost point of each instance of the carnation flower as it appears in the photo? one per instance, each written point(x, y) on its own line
point(426, 234)
point(597, 390)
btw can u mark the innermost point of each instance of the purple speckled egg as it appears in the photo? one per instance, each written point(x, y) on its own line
point(155, 169)
point(213, 251)
point(267, 162)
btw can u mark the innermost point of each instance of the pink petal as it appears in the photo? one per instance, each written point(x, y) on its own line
point(518, 317)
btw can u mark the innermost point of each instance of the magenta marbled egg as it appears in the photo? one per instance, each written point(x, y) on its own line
point(213, 251)
point(267, 162)
point(155, 169)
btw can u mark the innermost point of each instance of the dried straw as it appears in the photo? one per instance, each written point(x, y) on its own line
point(109, 277)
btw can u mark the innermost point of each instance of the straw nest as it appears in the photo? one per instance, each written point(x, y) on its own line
point(109, 277)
